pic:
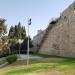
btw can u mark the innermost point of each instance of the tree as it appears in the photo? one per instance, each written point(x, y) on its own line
point(24, 45)
point(11, 32)
point(3, 40)
point(17, 32)
point(2, 27)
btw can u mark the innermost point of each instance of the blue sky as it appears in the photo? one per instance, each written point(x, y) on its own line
point(41, 12)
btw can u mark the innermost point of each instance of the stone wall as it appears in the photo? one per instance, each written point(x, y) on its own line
point(37, 39)
point(60, 40)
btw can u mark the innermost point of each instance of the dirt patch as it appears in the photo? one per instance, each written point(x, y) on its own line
point(48, 73)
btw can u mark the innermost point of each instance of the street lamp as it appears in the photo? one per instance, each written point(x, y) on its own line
point(29, 23)
point(20, 41)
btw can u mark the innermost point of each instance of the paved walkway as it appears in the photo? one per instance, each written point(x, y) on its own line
point(23, 57)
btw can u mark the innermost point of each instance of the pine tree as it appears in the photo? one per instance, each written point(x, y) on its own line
point(17, 32)
point(11, 32)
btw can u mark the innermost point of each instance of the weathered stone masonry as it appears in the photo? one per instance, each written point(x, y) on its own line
point(60, 39)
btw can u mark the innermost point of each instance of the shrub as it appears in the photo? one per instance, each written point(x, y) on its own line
point(11, 58)
point(4, 51)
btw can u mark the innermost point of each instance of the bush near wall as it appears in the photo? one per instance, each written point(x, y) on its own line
point(11, 58)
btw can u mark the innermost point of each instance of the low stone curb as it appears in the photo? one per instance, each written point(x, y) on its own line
point(3, 65)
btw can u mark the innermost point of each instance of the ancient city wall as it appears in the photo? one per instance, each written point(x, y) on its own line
point(60, 40)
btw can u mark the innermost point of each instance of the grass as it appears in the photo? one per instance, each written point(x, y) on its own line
point(65, 65)
point(30, 69)
point(49, 56)
point(39, 60)
point(2, 61)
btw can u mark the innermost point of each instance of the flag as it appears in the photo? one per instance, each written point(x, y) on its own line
point(29, 21)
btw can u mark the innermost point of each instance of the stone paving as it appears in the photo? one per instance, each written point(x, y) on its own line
point(24, 56)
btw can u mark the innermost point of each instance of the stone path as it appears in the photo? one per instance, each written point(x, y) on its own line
point(23, 57)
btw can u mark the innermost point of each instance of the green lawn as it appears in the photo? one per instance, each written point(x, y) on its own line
point(2, 61)
point(64, 65)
